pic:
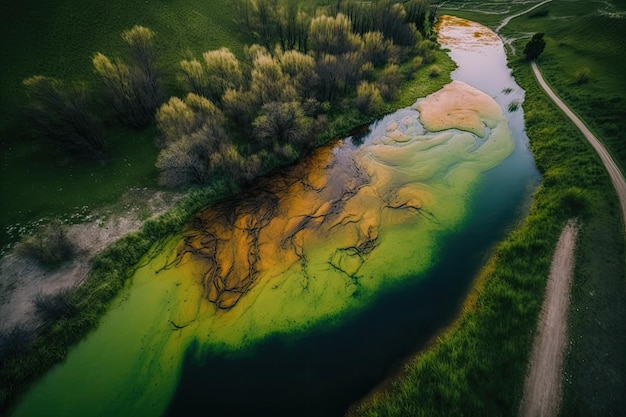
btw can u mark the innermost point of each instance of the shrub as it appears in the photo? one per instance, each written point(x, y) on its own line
point(434, 71)
point(52, 307)
point(534, 47)
point(59, 112)
point(369, 99)
point(15, 341)
point(582, 76)
point(50, 247)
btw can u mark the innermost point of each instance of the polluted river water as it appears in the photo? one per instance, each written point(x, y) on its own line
point(298, 296)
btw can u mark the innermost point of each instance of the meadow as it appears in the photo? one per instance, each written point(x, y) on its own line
point(59, 39)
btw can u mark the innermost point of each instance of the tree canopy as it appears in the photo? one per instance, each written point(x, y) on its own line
point(534, 47)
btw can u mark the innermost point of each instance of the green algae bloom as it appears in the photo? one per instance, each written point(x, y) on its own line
point(300, 250)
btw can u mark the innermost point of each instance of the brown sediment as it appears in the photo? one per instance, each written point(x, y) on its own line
point(459, 106)
point(464, 34)
point(329, 211)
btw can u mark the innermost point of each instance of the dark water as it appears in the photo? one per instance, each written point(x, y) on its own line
point(312, 341)
point(325, 371)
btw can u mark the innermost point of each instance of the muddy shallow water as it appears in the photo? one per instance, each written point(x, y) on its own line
point(299, 296)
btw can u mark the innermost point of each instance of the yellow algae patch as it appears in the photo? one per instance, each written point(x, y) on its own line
point(464, 34)
point(458, 105)
point(300, 249)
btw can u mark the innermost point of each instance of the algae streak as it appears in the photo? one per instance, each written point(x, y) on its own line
point(299, 250)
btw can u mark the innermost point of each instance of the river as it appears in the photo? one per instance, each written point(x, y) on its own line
point(301, 295)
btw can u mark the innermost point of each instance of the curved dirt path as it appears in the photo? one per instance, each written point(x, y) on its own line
point(614, 172)
point(542, 389)
point(509, 18)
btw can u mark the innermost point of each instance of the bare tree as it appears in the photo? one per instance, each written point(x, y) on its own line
point(283, 123)
point(60, 113)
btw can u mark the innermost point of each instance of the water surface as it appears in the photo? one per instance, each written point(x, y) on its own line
point(300, 295)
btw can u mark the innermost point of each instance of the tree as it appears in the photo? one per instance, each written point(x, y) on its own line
point(60, 113)
point(534, 47)
point(284, 124)
point(193, 77)
point(389, 82)
point(196, 147)
point(416, 12)
point(178, 118)
point(133, 89)
point(368, 99)
point(269, 83)
point(223, 72)
point(376, 48)
point(300, 69)
point(332, 35)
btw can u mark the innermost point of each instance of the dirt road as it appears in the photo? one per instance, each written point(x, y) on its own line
point(616, 175)
point(542, 390)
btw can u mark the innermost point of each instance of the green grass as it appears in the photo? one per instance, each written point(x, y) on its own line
point(111, 268)
point(477, 366)
point(58, 38)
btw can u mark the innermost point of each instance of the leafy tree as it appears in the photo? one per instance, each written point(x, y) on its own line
point(327, 69)
point(269, 83)
point(283, 123)
point(300, 68)
point(376, 48)
point(389, 82)
point(178, 118)
point(60, 113)
point(196, 147)
point(193, 77)
point(332, 35)
point(241, 108)
point(368, 99)
point(534, 47)
point(416, 13)
point(133, 89)
point(223, 72)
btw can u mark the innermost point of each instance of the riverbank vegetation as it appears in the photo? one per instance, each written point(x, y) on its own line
point(233, 118)
point(130, 78)
point(477, 366)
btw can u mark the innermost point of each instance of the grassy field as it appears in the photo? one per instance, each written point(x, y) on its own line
point(478, 365)
point(59, 38)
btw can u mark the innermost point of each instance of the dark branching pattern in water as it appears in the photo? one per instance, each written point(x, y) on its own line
point(319, 241)
point(240, 240)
